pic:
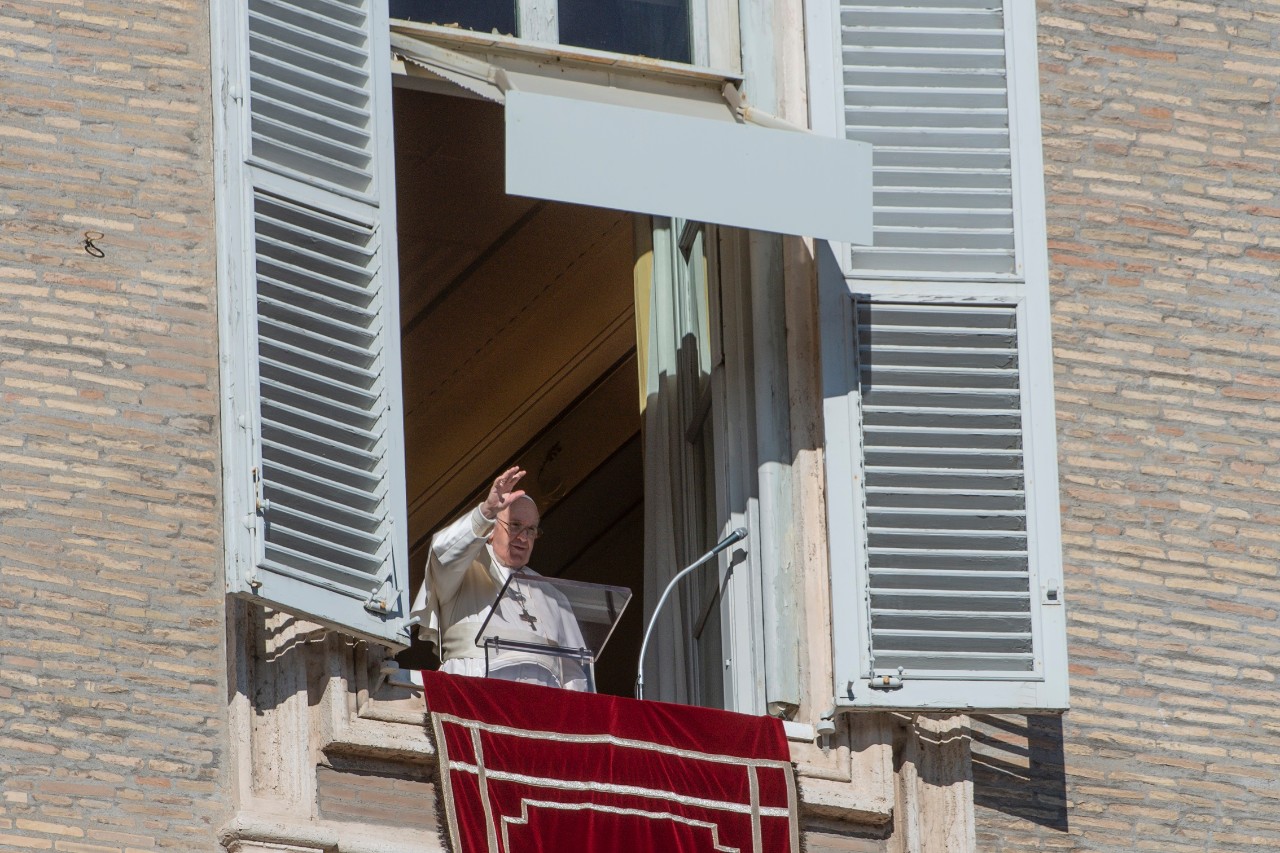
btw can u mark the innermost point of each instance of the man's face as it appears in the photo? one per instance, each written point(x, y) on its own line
point(511, 550)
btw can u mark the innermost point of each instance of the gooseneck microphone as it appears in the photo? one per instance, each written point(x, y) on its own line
point(736, 536)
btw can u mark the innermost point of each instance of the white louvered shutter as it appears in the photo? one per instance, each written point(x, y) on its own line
point(926, 84)
point(943, 505)
point(946, 565)
point(948, 586)
point(313, 453)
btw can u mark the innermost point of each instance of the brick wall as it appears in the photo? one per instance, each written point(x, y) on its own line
point(401, 796)
point(1161, 155)
point(112, 669)
point(1164, 224)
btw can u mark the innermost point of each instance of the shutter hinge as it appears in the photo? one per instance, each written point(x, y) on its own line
point(251, 522)
point(1052, 593)
point(260, 506)
point(887, 682)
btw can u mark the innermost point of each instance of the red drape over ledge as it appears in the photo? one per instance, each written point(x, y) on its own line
point(526, 768)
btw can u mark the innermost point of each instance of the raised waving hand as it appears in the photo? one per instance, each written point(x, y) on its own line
point(502, 493)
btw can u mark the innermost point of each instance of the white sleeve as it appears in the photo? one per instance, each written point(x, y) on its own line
point(453, 549)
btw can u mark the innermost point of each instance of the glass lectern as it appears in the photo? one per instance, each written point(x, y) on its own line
point(549, 631)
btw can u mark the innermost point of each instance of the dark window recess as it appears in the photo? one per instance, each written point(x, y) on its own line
point(658, 29)
point(483, 16)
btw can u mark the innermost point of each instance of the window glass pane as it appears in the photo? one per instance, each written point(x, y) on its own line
point(481, 15)
point(655, 28)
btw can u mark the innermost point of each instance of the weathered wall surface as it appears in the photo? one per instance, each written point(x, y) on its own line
point(112, 662)
point(1164, 225)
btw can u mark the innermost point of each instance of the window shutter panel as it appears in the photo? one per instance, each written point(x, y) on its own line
point(925, 83)
point(948, 585)
point(314, 448)
point(945, 541)
point(945, 564)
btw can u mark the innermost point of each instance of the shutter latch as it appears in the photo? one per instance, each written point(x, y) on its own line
point(380, 603)
point(377, 605)
point(887, 682)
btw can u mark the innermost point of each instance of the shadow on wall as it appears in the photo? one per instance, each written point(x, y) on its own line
point(1019, 767)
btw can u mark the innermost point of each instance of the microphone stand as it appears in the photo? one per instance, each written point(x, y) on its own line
point(736, 536)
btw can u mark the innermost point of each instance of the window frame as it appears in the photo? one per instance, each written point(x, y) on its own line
point(734, 395)
point(537, 23)
point(486, 67)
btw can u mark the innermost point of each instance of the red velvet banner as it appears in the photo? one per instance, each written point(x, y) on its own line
point(526, 768)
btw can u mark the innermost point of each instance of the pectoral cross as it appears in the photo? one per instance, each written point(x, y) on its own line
point(525, 615)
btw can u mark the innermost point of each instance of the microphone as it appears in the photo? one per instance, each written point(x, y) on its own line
point(736, 536)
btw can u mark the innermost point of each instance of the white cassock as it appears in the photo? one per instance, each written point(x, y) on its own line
point(463, 578)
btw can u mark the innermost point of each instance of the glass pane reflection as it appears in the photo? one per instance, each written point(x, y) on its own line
point(483, 16)
point(654, 28)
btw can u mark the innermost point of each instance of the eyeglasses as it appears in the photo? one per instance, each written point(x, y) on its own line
point(515, 531)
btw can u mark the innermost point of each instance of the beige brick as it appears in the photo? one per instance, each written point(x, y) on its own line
point(1204, 490)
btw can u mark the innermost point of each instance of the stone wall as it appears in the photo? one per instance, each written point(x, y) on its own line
point(112, 661)
point(401, 796)
point(1161, 150)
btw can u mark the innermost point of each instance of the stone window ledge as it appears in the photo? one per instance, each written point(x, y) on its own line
point(386, 719)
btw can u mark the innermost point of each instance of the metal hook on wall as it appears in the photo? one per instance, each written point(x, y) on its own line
point(90, 247)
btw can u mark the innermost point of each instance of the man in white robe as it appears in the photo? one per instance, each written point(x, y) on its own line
point(469, 562)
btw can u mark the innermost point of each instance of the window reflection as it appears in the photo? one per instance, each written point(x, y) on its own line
point(653, 28)
point(480, 15)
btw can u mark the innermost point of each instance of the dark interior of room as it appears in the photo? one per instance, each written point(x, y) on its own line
point(518, 348)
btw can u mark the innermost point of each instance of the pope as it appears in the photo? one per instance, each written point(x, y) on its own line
point(469, 562)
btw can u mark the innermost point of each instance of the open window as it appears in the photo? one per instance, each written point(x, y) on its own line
point(519, 342)
point(546, 241)
point(556, 237)
point(321, 515)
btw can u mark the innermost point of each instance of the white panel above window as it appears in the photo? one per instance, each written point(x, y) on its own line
point(927, 84)
point(671, 164)
point(671, 148)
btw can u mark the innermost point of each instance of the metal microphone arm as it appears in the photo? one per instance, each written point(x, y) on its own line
point(736, 536)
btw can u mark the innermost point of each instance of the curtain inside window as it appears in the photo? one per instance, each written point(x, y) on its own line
point(674, 361)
